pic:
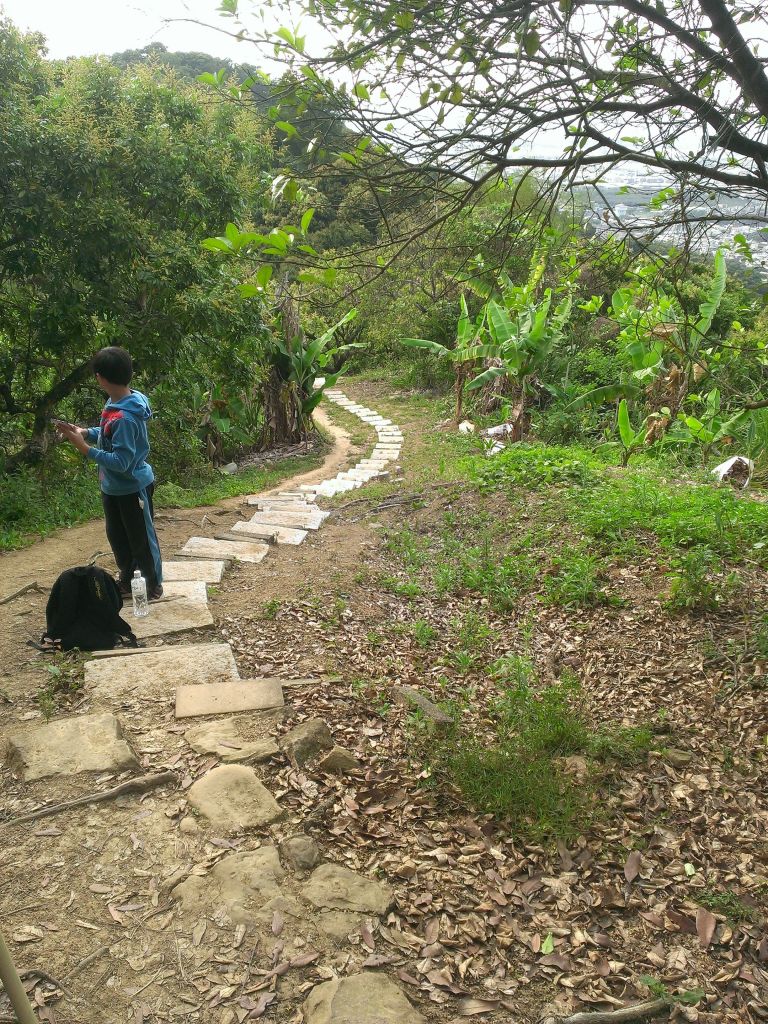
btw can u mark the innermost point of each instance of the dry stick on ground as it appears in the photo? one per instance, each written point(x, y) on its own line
point(626, 1015)
point(137, 785)
point(91, 957)
point(23, 590)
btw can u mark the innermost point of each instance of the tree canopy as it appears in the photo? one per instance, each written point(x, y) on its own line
point(570, 89)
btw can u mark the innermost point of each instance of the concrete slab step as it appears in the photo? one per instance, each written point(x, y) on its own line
point(293, 520)
point(207, 571)
point(229, 697)
point(157, 671)
point(281, 534)
point(208, 547)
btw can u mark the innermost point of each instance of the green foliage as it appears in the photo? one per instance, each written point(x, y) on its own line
point(577, 578)
point(536, 466)
point(729, 904)
point(109, 180)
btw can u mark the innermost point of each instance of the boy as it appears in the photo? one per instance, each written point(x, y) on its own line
point(119, 447)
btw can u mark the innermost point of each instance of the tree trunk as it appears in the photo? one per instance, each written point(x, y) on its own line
point(34, 450)
point(282, 413)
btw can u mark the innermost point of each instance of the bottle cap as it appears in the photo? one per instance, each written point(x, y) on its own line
point(137, 574)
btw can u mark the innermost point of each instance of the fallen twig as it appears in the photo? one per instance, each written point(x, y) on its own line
point(91, 957)
point(23, 590)
point(626, 1014)
point(137, 785)
point(95, 557)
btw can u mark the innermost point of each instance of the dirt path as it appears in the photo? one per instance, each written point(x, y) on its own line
point(24, 618)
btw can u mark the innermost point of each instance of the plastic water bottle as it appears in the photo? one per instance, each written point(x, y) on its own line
point(139, 594)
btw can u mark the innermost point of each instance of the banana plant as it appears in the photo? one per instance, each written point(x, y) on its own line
point(710, 426)
point(468, 332)
point(522, 333)
point(629, 439)
point(307, 361)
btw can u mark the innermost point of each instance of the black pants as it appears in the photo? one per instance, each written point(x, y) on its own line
point(127, 535)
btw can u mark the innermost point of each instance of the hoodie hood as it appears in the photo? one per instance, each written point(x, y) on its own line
point(136, 404)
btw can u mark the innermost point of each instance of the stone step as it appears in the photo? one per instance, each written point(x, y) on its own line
point(208, 547)
point(173, 613)
point(84, 743)
point(281, 534)
point(158, 671)
point(207, 571)
point(229, 697)
point(267, 501)
point(189, 590)
point(262, 534)
point(294, 520)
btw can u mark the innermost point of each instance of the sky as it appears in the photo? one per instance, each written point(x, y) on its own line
point(81, 27)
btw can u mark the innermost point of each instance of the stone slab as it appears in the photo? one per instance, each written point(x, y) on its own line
point(228, 697)
point(367, 998)
point(411, 697)
point(170, 616)
point(223, 739)
point(87, 743)
point(206, 547)
point(207, 571)
point(293, 520)
point(259, 534)
point(188, 590)
point(157, 673)
point(232, 797)
point(282, 534)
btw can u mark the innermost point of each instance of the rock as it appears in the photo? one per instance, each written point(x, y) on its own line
point(247, 885)
point(226, 698)
point(408, 696)
point(366, 998)
point(224, 740)
point(229, 469)
point(307, 740)
point(188, 826)
point(678, 758)
point(300, 852)
point(87, 743)
point(232, 797)
point(335, 887)
point(338, 761)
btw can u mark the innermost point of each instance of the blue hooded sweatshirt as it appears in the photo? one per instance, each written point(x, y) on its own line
point(122, 445)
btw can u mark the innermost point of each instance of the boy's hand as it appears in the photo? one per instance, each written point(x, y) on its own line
point(75, 435)
point(66, 429)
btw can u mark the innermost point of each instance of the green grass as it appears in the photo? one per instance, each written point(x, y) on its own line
point(518, 773)
point(64, 493)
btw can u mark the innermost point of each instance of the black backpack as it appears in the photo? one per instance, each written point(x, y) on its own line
point(83, 611)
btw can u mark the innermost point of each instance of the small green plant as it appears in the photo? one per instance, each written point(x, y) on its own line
point(374, 639)
point(423, 633)
point(699, 582)
point(577, 579)
point(270, 608)
point(728, 904)
point(64, 681)
point(686, 997)
point(401, 588)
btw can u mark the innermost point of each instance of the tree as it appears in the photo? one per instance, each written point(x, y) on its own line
point(108, 183)
point(469, 92)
